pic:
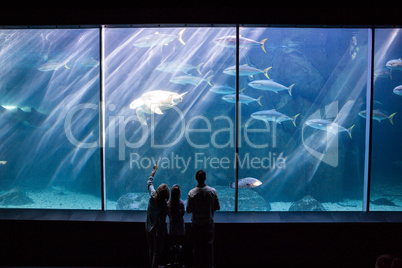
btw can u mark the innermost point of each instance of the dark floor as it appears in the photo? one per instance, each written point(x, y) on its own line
point(46, 238)
point(220, 217)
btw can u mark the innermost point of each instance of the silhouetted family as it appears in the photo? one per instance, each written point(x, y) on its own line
point(202, 202)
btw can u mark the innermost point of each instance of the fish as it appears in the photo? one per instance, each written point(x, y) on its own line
point(52, 66)
point(326, 125)
point(190, 80)
point(270, 85)
point(222, 89)
point(178, 66)
point(398, 90)
point(248, 182)
point(383, 202)
point(154, 102)
point(395, 64)
point(230, 41)
point(242, 99)
point(378, 115)
point(29, 116)
point(377, 103)
point(274, 116)
point(245, 70)
point(158, 39)
point(36, 119)
point(3, 162)
point(383, 73)
point(287, 46)
point(91, 62)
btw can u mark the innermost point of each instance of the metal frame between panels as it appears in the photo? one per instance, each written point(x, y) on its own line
point(102, 116)
point(369, 119)
point(237, 118)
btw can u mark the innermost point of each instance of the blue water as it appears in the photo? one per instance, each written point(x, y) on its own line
point(159, 107)
point(329, 73)
point(35, 106)
point(386, 157)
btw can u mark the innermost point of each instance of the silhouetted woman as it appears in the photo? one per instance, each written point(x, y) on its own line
point(155, 225)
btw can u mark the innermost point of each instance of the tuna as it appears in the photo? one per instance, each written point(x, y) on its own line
point(158, 39)
point(398, 90)
point(190, 80)
point(395, 64)
point(246, 183)
point(222, 89)
point(378, 115)
point(326, 125)
point(52, 66)
point(242, 99)
point(382, 73)
point(230, 41)
point(245, 70)
point(270, 85)
point(274, 116)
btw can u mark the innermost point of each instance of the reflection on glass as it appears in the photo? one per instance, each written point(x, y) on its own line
point(168, 100)
point(386, 161)
point(49, 88)
point(302, 143)
point(170, 97)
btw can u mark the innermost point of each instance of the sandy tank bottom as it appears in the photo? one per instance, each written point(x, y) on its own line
point(249, 200)
point(58, 199)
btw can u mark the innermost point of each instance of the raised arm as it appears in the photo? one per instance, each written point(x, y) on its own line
point(151, 188)
point(155, 169)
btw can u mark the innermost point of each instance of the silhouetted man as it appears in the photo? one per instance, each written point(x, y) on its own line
point(202, 201)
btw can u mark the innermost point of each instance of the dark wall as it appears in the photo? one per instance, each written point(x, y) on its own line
point(175, 12)
point(69, 243)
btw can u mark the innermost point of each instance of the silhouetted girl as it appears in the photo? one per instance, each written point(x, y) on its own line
point(176, 222)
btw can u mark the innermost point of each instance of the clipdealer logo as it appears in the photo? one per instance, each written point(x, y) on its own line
point(202, 161)
point(116, 138)
point(324, 145)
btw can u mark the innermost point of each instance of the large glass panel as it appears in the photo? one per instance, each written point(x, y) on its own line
point(169, 98)
point(49, 97)
point(302, 142)
point(386, 158)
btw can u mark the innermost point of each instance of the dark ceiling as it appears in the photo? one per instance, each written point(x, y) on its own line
point(246, 14)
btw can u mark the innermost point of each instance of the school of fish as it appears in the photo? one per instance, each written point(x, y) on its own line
point(155, 101)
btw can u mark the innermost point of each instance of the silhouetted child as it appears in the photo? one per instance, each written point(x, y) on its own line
point(176, 229)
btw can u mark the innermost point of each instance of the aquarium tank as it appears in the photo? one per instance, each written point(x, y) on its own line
point(386, 157)
point(275, 116)
point(49, 111)
point(168, 99)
